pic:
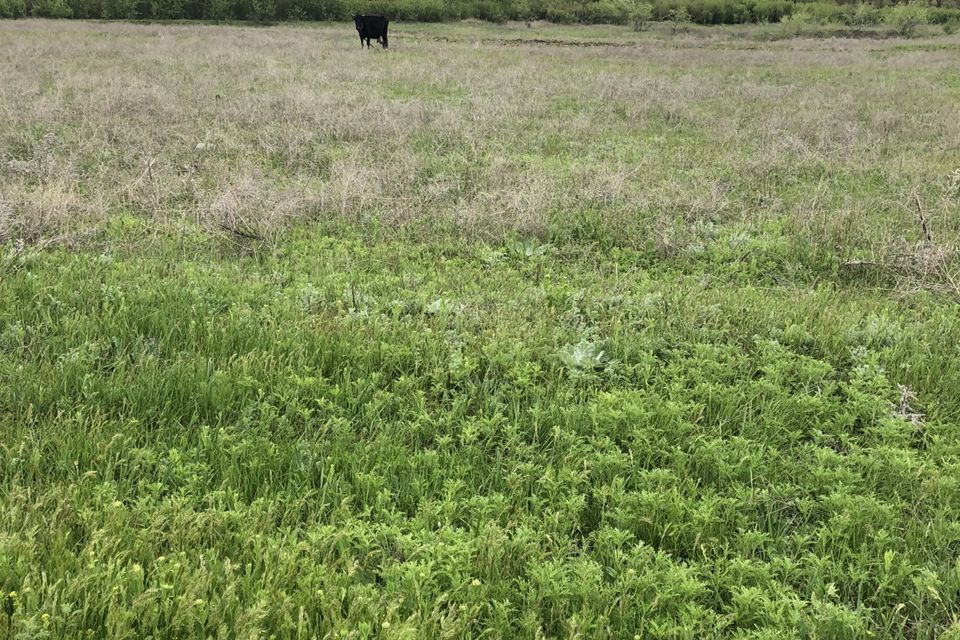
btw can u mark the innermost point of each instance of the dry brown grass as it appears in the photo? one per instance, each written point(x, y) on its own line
point(250, 129)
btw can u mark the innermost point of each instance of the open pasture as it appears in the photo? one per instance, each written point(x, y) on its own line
point(505, 332)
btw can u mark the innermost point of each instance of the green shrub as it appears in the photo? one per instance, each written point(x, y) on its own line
point(165, 9)
point(770, 10)
point(192, 9)
point(825, 13)
point(84, 9)
point(117, 9)
point(263, 10)
point(219, 10)
point(718, 12)
point(51, 9)
point(324, 10)
point(12, 8)
point(559, 12)
point(865, 15)
point(290, 10)
point(637, 13)
point(603, 12)
point(680, 17)
point(905, 18)
point(724, 11)
point(435, 11)
point(481, 9)
point(661, 10)
point(942, 15)
point(518, 10)
point(640, 14)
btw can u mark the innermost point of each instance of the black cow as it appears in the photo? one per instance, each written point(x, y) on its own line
point(371, 27)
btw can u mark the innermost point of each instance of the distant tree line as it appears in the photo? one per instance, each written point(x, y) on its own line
point(636, 12)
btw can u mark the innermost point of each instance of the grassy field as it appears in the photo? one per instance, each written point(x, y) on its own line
point(559, 332)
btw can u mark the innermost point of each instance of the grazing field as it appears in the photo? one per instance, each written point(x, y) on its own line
point(506, 332)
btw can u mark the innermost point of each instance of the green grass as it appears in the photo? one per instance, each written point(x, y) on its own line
point(358, 437)
point(659, 354)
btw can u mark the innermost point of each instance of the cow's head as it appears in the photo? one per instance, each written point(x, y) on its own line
point(357, 21)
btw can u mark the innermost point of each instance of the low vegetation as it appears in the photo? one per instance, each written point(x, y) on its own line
point(301, 341)
point(617, 12)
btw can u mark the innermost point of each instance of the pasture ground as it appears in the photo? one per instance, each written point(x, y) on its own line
point(652, 337)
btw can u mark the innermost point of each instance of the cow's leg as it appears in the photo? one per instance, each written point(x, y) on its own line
point(361, 42)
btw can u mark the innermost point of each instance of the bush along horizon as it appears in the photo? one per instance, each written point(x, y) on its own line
point(902, 18)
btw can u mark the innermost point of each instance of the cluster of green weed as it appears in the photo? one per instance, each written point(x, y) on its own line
point(351, 436)
point(561, 11)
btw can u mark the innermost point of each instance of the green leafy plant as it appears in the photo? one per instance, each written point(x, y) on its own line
point(583, 358)
point(527, 249)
